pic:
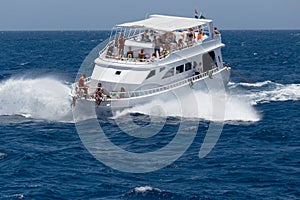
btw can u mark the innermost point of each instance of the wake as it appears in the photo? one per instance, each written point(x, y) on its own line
point(266, 92)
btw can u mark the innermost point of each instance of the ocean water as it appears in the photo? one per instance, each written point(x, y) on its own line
point(256, 157)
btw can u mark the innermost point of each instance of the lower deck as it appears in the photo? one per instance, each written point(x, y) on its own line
point(118, 101)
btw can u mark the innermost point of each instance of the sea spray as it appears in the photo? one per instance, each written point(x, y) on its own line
point(48, 99)
point(235, 109)
point(39, 98)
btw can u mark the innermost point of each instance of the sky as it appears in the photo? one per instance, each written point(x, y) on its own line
point(104, 14)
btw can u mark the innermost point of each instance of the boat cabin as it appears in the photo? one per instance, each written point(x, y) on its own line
point(156, 37)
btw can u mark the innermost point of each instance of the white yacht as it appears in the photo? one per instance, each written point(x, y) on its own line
point(152, 58)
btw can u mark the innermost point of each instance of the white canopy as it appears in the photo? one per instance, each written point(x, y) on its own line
point(166, 23)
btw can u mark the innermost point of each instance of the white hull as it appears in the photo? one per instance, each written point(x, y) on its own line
point(87, 108)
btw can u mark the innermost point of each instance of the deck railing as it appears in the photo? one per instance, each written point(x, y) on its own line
point(114, 95)
point(140, 93)
point(115, 59)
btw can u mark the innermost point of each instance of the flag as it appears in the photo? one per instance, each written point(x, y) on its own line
point(201, 16)
point(196, 14)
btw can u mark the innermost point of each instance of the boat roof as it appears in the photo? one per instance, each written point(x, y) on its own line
point(166, 23)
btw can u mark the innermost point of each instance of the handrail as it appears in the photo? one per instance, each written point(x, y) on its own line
point(140, 93)
point(114, 95)
point(148, 61)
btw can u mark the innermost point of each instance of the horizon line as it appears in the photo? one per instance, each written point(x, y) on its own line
point(78, 30)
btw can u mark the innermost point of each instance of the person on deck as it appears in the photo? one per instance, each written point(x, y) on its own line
point(180, 44)
point(122, 93)
point(142, 55)
point(190, 36)
point(129, 53)
point(99, 95)
point(157, 44)
point(216, 31)
point(121, 42)
point(83, 88)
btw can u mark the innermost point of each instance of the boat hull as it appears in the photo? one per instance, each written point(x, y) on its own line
point(87, 108)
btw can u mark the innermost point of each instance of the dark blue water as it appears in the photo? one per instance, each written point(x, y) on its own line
point(256, 157)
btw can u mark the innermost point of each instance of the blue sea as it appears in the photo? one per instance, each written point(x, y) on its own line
point(257, 155)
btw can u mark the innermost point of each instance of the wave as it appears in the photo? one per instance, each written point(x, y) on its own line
point(267, 91)
point(39, 98)
point(14, 196)
point(143, 189)
point(258, 84)
point(2, 155)
point(148, 192)
point(24, 63)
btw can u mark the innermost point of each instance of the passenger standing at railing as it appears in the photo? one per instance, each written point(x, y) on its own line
point(200, 33)
point(116, 47)
point(81, 81)
point(110, 51)
point(216, 31)
point(99, 96)
point(180, 44)
point(190, 37)
point(156, 45)
point(121, 42)
point(83, 88)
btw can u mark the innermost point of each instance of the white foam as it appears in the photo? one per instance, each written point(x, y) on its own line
point(235, 109)
point(2, 155)
point(258, 84)
point(238, 104)
point(39, 98)
point(47, 98)
point(14, 196)
point(145, 189)
point(25, 63)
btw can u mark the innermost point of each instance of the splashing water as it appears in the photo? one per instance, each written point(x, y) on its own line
point(235, 109)
point(40, 98)
point(238, 102)
point(145, 189)
point(48, 99)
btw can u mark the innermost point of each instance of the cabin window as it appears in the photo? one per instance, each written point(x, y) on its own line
point(179, 69)
point(118, 73)
point(188, 66)
point(169, 73)
point(152, 73)
point(161, 69)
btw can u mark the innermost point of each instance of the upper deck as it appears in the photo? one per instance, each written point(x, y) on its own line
point(155, 38)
